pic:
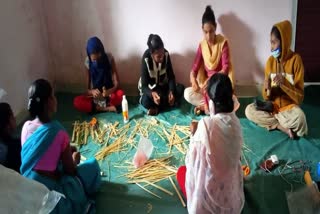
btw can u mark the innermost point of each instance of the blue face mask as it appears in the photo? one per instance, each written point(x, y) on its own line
point(276, 53)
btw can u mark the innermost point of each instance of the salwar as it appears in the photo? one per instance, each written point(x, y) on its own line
point(194, 98)
point(147, 101)
point(84, 103)
point(181, 178)
point(293, 119)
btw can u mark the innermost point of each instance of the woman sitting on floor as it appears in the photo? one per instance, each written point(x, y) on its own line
point(212, 179)
point(213, 56)
point(102, 80)
point(157, 85)
point(48, 158)
point(10, 147)
point(283, 87)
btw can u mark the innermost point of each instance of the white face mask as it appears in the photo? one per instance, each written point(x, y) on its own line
point(211, 108)
point(276, 53)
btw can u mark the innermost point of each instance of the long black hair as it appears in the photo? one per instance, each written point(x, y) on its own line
point(39, 93)
point(5, 115)
point(209, 17)
point(220, 92)
point(154, 43)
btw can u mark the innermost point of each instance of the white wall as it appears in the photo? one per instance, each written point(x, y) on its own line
point(47, 38)
point(124, 25)
point(24, 49)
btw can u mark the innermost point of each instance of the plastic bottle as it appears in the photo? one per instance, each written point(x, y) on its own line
point(125, 110)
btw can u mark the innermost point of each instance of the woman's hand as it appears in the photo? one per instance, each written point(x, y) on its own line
point(156, 97)
point(76, 157)
point(106, 92)
point(69, 160)
point(205, 86)
point(193, 127)
point(278, 79)
point(267, 84)
point(194, 82)
point(195, 85)
point(171, 98)
point(95, 93)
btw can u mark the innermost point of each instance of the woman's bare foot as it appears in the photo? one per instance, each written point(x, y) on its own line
point(152, 111)
point(289, 132)
point(111, 109)
point(106, 109)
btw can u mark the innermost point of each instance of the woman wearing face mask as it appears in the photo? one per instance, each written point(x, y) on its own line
point(102, 80)
point(212, 179)
point(283, 86)
point(157, 85)
point(213, 56)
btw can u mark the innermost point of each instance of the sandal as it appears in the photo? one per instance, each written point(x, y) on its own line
point(263, 105)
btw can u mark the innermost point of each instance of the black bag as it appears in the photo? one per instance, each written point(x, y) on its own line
point(263, 105)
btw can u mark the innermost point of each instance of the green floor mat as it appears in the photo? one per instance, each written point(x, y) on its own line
point(264, 192)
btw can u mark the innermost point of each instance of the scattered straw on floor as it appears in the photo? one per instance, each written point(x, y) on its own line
point(116, 146)
point(115, 138)
point(173, 135)
point(151, 173)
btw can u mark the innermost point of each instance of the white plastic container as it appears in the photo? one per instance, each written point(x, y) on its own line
point(274, 159)
point(125, 110)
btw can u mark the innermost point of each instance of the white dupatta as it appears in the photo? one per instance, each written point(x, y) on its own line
point(214, 179)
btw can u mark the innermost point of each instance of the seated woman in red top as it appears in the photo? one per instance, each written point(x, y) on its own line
point(103, 82)
point(213, 56)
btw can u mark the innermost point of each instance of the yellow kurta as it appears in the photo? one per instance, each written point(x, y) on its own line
point(211, 56)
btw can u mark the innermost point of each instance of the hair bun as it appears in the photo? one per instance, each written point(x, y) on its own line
point(38, 93)
point(154, 42)
point(208, 9)
point(208, 16)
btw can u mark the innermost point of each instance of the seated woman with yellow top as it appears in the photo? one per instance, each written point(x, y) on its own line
point(283, 87)
point(213, 56)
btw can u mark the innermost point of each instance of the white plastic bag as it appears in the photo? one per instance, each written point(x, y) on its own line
point(3, 93)
point(21, 195)
point(144, 151)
